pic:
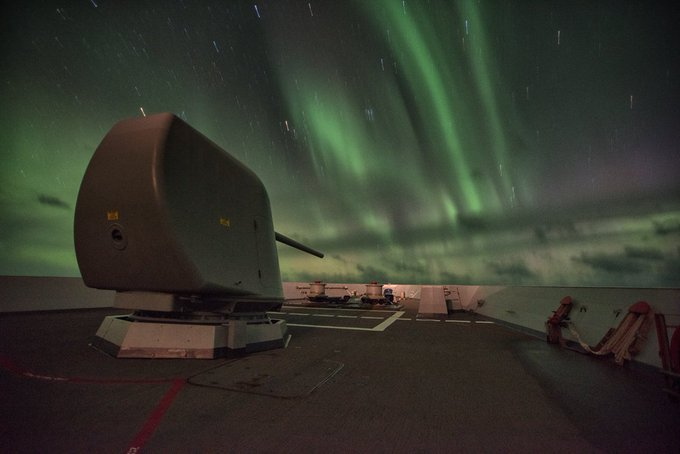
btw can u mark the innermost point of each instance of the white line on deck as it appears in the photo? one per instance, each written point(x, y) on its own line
point(367, 317)
point(324, 315)
point(484, 322)
point(312, 308)
point(394, 317)
point(427, 320)
point(348, 316)
point(297, 313)
point(380, 327)
point(351, 328)
point(458, 321)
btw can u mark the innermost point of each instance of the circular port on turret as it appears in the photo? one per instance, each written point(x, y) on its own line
point(117, 235)
point(118, 238)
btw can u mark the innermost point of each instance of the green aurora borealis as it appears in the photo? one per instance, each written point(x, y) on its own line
point(471, 142)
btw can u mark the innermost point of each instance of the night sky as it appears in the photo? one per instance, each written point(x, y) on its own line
point(469, 142)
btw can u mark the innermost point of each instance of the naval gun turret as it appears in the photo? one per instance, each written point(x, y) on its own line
point(183, 232)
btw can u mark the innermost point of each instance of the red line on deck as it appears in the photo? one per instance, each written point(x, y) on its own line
point(155, 418)
point(9, 365)
point(152, 421)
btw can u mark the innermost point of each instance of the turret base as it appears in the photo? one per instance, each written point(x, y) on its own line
point(124, 337)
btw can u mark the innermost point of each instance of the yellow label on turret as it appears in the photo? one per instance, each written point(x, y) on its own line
point(112, 215)
point(225, 222)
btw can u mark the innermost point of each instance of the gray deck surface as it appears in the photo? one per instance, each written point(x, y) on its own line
point(416, 386)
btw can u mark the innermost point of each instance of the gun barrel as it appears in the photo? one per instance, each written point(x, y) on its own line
point(292, 243)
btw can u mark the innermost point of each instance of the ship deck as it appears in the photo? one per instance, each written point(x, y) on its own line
point(349, 381)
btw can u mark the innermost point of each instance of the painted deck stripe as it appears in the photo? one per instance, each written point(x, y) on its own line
point(427, 320)
point(380, 327)
point(324, 315)
point(152, 421)
point(484, 322)
point(368, 317)
point(8, 364)
point(340, 309)
point(312, 308)
point(348, 316)
point(393, 318)
point(155, 418)
point(458, 321)
point(298, 313)
point(349, 328)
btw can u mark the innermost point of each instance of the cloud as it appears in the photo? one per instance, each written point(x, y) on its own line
point(516, 271)
point(545, 232)
point(411, 266)
point(611, 263)
point(368, 273)
point(453, 278)
point(668, 277)
point(306, 276)
point(53, 201)
point(667, 227)
point(339, 258)
point(541, 234)
point(472, 222)
point(634, 252)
